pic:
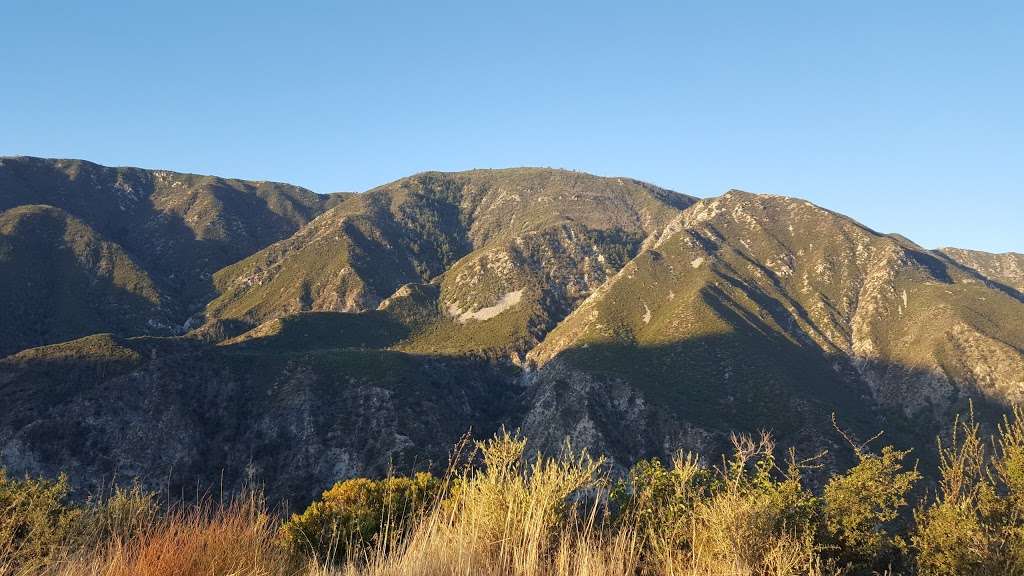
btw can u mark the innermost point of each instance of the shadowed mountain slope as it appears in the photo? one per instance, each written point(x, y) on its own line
point(633, 320)
point(176, 413)
point(177, 228)
point(1006, 269)
point(60, 280)
point(754, 311)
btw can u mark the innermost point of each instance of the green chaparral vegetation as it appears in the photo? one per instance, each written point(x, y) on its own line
point(180, 329)
point(62, 280)
point(501, 509)
point(85, 248)
point(509, 228)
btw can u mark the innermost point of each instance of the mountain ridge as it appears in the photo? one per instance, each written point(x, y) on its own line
point(370, 330)
point(430, 225)
point(179, 228)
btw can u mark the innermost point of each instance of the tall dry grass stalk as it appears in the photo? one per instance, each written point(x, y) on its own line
point(549, 518)
point(513, 518)
point(237, 539)
point(736, 520)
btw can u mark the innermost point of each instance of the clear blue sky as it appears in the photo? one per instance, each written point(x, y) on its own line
point(908, 116)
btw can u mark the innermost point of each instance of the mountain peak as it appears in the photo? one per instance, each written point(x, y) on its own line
point(356, 332)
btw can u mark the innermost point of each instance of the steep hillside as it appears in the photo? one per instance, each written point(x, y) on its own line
point(176, 414)
point(500, 300)
point(533, 240)
point(357, 332)
point(178, 228)
point(1006, 269)
point(59, 280)
point(753, 311)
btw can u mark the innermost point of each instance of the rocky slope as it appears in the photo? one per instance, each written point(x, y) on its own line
point(633, 320)
point(1006, 269)
point(753, 311)
point(532, 241)
point(178, 414)
point(178, 229)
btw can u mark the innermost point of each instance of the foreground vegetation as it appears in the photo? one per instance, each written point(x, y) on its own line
point(503, 512)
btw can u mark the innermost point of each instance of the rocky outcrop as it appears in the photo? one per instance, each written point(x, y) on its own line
point(631, 320)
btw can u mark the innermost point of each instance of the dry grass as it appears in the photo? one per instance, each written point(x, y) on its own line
point(550, 518)
point(238, 539)
point(513, 517)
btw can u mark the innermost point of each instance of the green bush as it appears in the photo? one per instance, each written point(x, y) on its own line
point(863, 511)
point(659, 501)
point(747, 516)
point(751, 515)
point(357, 513)
point(1009, 469)
point(123, 514)
point(974, 525)
point(37, 521)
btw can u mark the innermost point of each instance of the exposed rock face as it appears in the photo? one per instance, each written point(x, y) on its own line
point(421, 228)
point(177, 414)
point(632, 320)
point(880, 323)
point(607, 416)
point(1007, 269)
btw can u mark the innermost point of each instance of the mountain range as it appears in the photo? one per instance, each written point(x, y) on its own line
point(186, 329)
